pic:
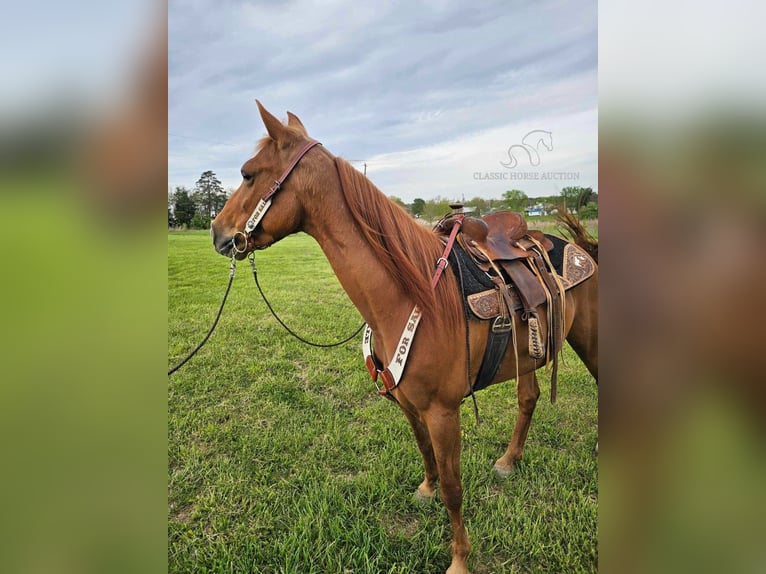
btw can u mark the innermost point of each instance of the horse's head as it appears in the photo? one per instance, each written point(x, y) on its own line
point(284, 214)
point(546, 138)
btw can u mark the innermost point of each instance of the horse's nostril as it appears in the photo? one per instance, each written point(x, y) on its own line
point(222, 243)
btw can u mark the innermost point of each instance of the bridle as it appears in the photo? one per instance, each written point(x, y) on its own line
point(265, 202)
point(260, 210)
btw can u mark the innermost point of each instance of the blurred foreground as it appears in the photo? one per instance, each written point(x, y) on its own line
point(82, 394)
point(682, 176)
point(682, 394)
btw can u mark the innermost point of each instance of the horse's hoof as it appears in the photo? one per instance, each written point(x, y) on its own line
point(458, 569)
point(421, 498)
point(503, 472)
point(595, 450)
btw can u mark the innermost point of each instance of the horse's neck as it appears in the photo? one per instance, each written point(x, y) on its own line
point(363, 277)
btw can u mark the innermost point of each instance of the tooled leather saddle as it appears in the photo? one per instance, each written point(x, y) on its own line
point(516, 262)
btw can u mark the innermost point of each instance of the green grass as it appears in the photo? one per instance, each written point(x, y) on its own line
point(282, 459)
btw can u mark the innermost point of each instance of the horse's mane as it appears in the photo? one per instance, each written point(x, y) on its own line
point(406, 249)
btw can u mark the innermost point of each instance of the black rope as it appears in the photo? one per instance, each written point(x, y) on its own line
point(210, 332)
point(251, 259)
point(257, 284)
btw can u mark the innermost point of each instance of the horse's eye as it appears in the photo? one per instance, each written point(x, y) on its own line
point(248, 177)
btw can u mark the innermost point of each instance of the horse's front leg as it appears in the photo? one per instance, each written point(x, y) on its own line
point(444, 427)
point(427, 488)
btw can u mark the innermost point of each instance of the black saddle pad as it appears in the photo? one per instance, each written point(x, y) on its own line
point(474, 280)
point(556, 254)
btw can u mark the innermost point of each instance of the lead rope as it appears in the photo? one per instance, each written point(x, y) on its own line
point(232, 269)
point(251, 259)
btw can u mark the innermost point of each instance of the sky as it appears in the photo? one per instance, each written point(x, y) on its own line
point(63, 65)
point(433, 96)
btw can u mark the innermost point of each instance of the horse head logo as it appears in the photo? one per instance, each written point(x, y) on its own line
point(529, 146)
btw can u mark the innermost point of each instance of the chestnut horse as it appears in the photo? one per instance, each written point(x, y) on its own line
point(385, 260)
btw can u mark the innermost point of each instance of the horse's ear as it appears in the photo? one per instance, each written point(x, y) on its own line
point(274, 127)
point(294, 122)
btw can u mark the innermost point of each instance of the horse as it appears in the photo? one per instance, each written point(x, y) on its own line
point(384, 261)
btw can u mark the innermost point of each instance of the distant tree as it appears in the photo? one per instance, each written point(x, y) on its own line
point(515, 200)
point(199, 221)
point(576, 197)
point(480, 206)
point(171, 219)
point(183, 206)
point(418, 205)
point(436, 208)
point(589, 211)
point(398, 201)
point(208, 194)
point(548, 202)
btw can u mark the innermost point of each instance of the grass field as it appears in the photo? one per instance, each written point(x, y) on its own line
point(282, 459)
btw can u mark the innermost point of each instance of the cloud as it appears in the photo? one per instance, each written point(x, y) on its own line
point(457, 168)
point(378, 81)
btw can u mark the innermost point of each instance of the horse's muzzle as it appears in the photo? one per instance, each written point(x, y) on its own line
point(237, 245)
point(223, 244)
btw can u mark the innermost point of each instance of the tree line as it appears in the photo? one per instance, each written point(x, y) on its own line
point(581, 200)
point(195, 208)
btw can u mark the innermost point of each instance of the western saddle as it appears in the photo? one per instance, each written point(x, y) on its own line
point(515, 260)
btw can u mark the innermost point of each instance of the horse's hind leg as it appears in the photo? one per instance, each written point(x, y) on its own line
point(528, 392)
point(583, 334)
point(427, 488)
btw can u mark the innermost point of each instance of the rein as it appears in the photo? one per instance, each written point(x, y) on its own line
point(232, 269)
point(260, 210)
point(251, 259)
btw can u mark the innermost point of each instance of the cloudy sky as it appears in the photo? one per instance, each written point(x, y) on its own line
point(430, 94)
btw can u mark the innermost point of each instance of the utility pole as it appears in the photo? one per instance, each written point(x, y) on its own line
point(364, 162)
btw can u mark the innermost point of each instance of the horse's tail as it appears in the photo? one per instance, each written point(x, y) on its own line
point(573, 227)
